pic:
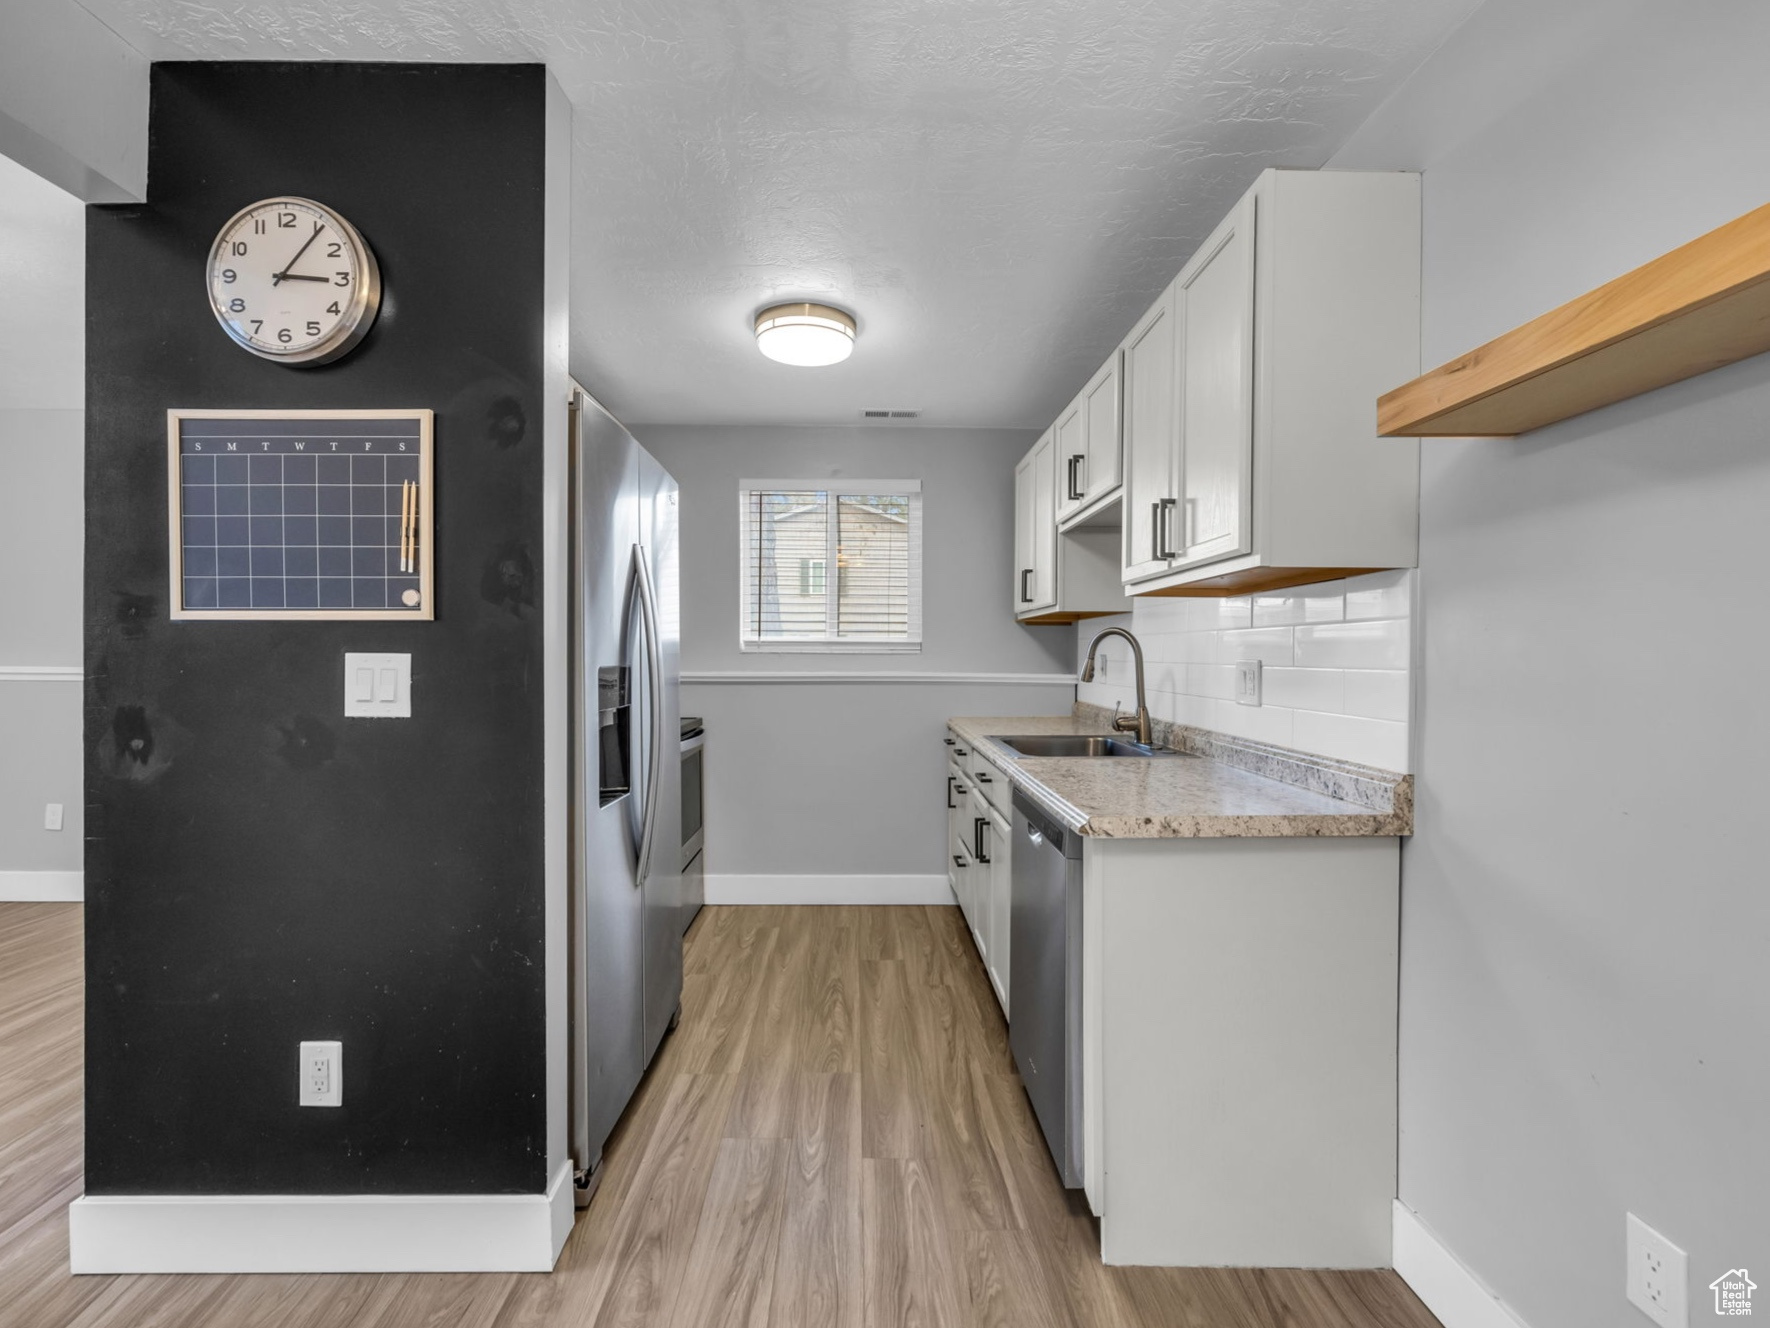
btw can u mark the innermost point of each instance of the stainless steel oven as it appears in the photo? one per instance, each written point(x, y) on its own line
point(694, 756)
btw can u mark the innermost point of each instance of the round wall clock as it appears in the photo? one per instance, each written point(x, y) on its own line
point(292, 281)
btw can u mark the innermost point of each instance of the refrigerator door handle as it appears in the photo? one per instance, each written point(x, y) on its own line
point(654, 671)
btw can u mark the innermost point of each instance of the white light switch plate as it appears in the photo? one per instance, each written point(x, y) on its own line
point(377, 686)
point(52, 816)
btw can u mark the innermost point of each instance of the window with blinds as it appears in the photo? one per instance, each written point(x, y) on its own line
point(831, 567)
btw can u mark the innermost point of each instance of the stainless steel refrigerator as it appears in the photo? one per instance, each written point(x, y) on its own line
point(627, 892)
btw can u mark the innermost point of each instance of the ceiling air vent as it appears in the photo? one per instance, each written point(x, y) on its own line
point(890, 414)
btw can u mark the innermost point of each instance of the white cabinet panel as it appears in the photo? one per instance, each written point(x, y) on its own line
point(1035, 528)
point(1216, 302)
point(1151, 436)
point(1070, 440)
point(1101, 433)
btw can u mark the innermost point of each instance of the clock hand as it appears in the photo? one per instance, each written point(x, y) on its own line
point(291, 263)
point(296, 276)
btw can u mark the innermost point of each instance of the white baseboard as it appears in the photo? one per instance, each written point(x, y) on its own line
point(66, 887)
point(277, 1233)
point(1441, 1280)
point(828, 890)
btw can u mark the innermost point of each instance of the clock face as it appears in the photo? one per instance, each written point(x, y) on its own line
point(293, 281)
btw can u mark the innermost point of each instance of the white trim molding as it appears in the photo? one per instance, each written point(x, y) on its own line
point(1440, 1279)
point(754, 676)
point(828, 890)
point(41, 673)
point(57, 887)
point(321, 1233)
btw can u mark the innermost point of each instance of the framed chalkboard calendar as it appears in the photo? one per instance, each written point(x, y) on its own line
point(322, 514)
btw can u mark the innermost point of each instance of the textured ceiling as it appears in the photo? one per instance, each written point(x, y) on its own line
point(997, 188)
point(42, 272)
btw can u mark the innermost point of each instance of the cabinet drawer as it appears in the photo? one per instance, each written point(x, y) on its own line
point(989, 781)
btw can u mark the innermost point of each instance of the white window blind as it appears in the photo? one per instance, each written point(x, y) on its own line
point(831, 566)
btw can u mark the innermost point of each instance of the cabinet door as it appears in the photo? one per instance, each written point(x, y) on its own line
point(958, 808)
point(1102, 437)
point(1070, 457)
point(981, 844)
point(1000, 900)
point(1035, 507)
point(1217, 395)
point(1023, 523)
point(1151, 432)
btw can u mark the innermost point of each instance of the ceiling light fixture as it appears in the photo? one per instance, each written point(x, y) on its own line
point(809, 335)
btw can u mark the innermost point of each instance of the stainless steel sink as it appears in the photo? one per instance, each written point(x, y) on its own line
point(1094, 745)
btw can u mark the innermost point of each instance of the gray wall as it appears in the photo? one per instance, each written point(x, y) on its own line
point(817, 778)
point(1585, 994)
point(42, 462)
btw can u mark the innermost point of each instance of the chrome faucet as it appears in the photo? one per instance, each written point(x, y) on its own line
point(1124, 723)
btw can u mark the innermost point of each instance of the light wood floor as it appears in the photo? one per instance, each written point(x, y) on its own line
point(835, 1137)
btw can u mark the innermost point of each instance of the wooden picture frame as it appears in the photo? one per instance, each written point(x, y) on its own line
point(252, 541)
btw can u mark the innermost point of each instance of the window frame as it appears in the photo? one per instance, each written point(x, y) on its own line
point(829, 643)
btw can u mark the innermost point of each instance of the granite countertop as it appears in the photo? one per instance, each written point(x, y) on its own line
point(1228, 788)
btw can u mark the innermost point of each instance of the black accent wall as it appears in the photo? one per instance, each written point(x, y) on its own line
point(259, 869)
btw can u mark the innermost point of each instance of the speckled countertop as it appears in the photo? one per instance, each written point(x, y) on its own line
point(1229, 788)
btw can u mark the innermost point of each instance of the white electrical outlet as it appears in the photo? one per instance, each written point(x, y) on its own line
point(322, 1074)
point(52, 816)
point(1247, 682)
point(1657, 1276)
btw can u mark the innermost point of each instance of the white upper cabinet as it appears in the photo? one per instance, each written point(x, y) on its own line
point(1151, 431)
point(1251, 457)
point(1059, 578)
point(1214, 460)
point(1035, 528)
point(1089, 443)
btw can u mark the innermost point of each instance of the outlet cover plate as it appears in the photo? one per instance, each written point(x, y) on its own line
point(1247, 682)
point(322, 1074)
point(1658, 1276)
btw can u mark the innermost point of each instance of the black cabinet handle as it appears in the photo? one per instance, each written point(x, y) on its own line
point(959, 862)
point(949, 741)
point(983, 779)
point(1075, 485)
point(1025, 594)
point(978, 826)
point(951, 806)
point(960, 751)
point(1162, 509)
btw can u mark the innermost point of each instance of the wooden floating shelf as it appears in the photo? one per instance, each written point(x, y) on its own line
point(1697, 308)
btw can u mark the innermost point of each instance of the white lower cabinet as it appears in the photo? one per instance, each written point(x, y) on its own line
point(1238, 1050)
point(1001, 843)
point(978, 857)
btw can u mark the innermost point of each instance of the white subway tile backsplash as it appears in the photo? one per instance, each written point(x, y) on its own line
point(1303, 689)
point(1303, 604)
point(1216, 681)
point(1379, 595)
point(1353, 645)
point(1375, 694)
point(1269, 645)
point(1377, 742)
point(1336, 660)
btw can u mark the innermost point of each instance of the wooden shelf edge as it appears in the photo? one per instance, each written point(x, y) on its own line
point(1254, 581)
point(1701, 306)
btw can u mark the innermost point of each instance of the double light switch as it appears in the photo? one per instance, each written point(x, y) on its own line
point(378, 686)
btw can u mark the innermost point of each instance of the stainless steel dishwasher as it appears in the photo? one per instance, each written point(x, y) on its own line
point(1045, 979)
